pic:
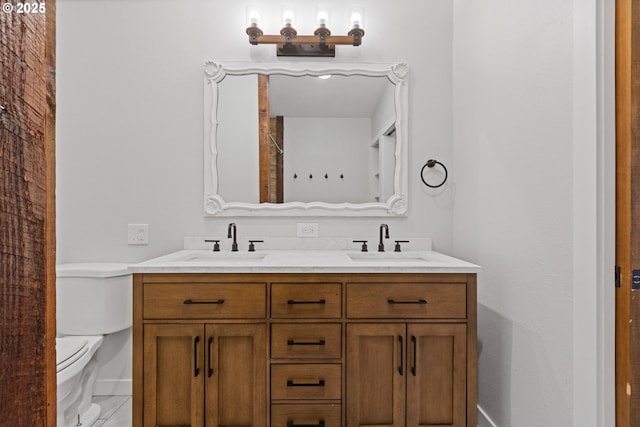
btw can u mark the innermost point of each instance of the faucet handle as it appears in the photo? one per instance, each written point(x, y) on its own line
point(216, 244)
point(252, 247)
point(397, 248)
point(364, 245)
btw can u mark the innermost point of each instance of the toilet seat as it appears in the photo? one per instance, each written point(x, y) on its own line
point(69, 350)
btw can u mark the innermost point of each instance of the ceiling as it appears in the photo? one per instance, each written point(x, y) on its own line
point(338, 96)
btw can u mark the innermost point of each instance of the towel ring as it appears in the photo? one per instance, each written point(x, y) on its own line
point(431, 163)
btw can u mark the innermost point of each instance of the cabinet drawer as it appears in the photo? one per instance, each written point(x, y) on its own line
point(312, 300)
point(324, 415)
point(306, 341)
point(204, 300)
point(407, 300)
point(306, 381)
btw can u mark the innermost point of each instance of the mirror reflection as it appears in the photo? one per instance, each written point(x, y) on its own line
point(306, 138)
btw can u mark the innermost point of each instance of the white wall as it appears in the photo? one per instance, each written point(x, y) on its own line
point(130, 117)
point(238, 158)
point(525, 102)
point(327, 145)
point(513, 212)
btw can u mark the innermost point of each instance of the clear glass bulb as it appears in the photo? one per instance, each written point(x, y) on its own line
point(323, 17)
point(287, 17)
point(254, 17)
point(357, 16)
point(356, 20)
point(253, 14)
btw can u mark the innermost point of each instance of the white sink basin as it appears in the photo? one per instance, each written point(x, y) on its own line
point(388, 257)
point(223, 257)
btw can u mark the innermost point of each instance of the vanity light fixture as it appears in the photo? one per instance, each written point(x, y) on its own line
point(321, 43)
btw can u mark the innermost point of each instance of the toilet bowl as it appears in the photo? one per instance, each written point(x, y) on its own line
point(93, 299)
point(75, 371)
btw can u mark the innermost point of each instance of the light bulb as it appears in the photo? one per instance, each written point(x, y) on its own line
point(357, 16)
point(287, 17)
point(254, 17)
point(323, 17)
point(356, 20)
point(253, 14)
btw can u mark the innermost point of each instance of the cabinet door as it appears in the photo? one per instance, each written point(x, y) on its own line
point(173, 375)
point(436, 379)
point(235, 375)
point(375, 376)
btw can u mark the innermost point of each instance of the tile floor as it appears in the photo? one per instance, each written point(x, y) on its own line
point(116, 411)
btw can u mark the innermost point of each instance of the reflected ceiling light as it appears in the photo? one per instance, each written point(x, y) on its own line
point(321, 43)
point(325, 76)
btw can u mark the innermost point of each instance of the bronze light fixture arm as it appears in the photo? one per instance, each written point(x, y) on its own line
point(289, 43)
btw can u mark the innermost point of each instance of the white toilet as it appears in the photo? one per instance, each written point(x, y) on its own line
point(92, 299)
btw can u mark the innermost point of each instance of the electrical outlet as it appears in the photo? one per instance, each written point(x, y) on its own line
point(307, 229)
point(138, 234)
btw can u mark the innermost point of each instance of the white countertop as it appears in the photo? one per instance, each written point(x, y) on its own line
point(304, 261)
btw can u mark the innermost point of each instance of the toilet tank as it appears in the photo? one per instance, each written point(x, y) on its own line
point(93, 298)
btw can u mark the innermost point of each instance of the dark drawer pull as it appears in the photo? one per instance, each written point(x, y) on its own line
point(196, 370)
point(292, 302)
point(420, 301)
point(290, 383)
point(291, 424)
point(293, 342)
point(190, 301)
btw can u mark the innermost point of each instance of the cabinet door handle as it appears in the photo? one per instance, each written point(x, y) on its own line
point(415, 346)
point(401, 367)
point(190, 301)
point(196, 370)
point(209, 368)
point(292, 424)
point(419, 301)
point(292, 302)
point(290, 383)
point(293, 342)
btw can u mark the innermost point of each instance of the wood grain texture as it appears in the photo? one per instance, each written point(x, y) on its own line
point(359, 360)
point(279, 135)
point(264, 126)
point(627, 211)
point(27, 221)
point(50, 217)
point(235, 390)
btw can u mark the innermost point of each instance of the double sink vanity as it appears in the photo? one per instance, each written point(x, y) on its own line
point(297, 334)
point(301, 338)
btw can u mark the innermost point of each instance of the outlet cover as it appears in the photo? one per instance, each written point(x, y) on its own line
point(138, 234)
point(307, 229)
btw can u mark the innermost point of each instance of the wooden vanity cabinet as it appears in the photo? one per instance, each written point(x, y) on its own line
point(409, 374)
point(199, 369)
point(305, 349)
point(410, 369)
point(198, 372)
point(306, 353)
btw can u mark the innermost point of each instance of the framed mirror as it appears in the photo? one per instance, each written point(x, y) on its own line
point(305, 139)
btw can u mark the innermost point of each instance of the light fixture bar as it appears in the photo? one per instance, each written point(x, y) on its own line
point(289, 43)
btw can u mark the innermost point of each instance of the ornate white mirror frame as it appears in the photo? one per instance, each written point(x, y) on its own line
point(215, 205)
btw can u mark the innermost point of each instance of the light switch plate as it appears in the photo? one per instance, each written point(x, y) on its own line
point(307, 229)
point(138, 234)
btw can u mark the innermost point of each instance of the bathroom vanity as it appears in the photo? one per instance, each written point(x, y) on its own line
point(321, 339)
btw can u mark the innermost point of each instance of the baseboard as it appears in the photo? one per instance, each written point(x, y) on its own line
point(113, 387)
point(484, 420)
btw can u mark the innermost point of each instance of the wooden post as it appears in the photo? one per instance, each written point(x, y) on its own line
point(627, 211)
point(263, 135)
point(27, 217)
